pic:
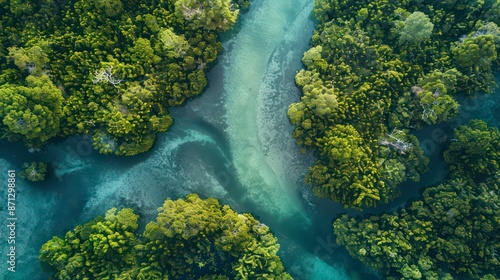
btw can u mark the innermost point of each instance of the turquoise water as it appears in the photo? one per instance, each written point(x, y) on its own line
point(233, 143)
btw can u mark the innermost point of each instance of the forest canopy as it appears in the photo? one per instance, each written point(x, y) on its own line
point(453, 229)
point(192, 238)
point(108, 69)
point(377, 70)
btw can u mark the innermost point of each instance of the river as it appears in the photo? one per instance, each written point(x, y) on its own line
point(233, 143)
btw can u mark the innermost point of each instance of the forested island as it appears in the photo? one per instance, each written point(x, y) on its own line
point(192, 238)
point(107, 69)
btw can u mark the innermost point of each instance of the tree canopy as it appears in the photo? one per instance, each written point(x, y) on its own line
point(416, 28)
point(454, 228)
point(377, 70)
point(192, 238)
point(115, 67)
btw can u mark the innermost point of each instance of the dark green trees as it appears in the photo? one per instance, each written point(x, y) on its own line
point(34, 171)
point(475, 151)
point(191, 239)
point(376, 70)
point(453, 228)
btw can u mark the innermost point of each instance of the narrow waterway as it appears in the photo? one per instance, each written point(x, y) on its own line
point(233, 143)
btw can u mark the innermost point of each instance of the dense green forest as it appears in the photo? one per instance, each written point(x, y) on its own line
point(377, 70)
point(455, 226)
point(109, 69)
point(191, 239)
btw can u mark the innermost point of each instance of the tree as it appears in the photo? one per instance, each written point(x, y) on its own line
point(31, 112)
point(119, 65)
point(372, 65)
point(32, 59)
point(218, 15)
point(173, 44)
point(111, 8)
point(34, 171)
point(453, 225)
point(352, 176)
point(477, 52)
point(98, 249)
point(474, 150)
point(416, 28)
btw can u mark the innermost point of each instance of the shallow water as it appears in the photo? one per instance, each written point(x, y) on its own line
point(233, 143)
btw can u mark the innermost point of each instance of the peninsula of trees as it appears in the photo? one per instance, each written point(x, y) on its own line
point(192, 238)
point(109, 69)
point(375, 71)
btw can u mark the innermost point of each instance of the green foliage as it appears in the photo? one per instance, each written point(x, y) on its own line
point(475, 151)
point(416, 28)
point(34, 171)
point(382, 66)
point(174, 45)
point(118, 64)
point(453, 227)
point(474, 57)
point(32, 111)
point(351, 172)
point(217, 15)
point(99, 249)
point(32, 60)
point(191, 239)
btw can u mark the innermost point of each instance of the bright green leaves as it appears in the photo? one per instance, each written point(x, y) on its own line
point(382, 66)
point(126, 218)
point(475, 52)
point(143, 54)
point(416, 28)
point(194, 226)
point(32, 60)
point(174, 45)
point(312, 59)
point(342, 143)
point(191, 238)
point(437, 107)
point(31, 112)
point(218, 15)
point(98, 249)
point(474, 57)
point(353, 177)
point(55, 252)
point(173, 219)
